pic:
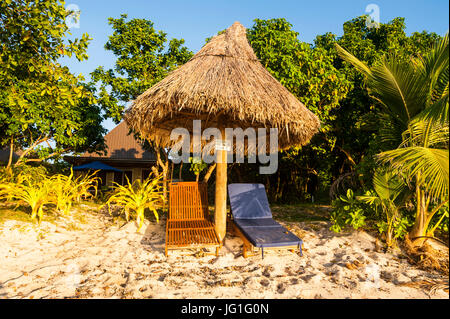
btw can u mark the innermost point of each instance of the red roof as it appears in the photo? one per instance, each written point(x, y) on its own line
point(121, 145)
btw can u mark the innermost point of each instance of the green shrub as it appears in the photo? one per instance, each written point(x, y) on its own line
point(348, 210)
point(136, 197)
point(33, 187)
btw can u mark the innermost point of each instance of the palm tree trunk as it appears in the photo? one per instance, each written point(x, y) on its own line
point(422, 219)
point(11, 152)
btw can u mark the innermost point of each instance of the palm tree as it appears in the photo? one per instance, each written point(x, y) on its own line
point(387, 195)
point(414, 94)
point(423, 156)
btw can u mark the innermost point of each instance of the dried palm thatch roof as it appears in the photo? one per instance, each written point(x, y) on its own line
point(225, 85)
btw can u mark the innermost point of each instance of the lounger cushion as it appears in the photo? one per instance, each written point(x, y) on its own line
point(270, 236)
point(249, 201)
point(251, 214)
point(256, 222)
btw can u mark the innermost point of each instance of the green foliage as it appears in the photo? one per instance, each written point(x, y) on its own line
point(336, 92)
point(389, 195)
point(41, 100)
point(138, 196)
point(66, 190)
point(309, 73)
point(401, 227)
point(388, 97)
point(30, 190)
point(414, 97)
point(35, 188)
point(12, 174)
point(143, 58)
point(306, 71)
point(441, 221)
point(348, 210)
point(359, 120)
point(197, 166)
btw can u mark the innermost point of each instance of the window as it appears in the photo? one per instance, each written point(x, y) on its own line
point(146, 173)
point(118, 178)
point(129, 175)
point(102, 176)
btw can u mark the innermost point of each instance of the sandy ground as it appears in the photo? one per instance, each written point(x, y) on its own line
point(103, 260)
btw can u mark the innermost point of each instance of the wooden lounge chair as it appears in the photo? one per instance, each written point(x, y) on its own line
point(252, 221)
point(188, 224)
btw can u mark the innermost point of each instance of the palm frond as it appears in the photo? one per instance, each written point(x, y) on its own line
point(390, 131)
point(437, 111)
point(359, 65)
point(426, 134)
point(394, 83)
point(434, 67)
point(387, 185)
point(431, 165)
point(399, 88)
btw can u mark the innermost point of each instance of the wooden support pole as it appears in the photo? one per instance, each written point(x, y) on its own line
point(220, 213)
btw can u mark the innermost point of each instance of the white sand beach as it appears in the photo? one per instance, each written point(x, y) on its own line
point(98, 259)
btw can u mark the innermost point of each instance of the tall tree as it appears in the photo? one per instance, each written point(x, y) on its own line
point(358, 119)
point(334, 91)
point(41, 101)
point(414, 94)
point(143, 58)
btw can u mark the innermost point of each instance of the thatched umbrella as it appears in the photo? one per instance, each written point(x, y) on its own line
point(224, 85)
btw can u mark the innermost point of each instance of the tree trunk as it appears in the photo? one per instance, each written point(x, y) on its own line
point(389, 238)
point(165, 168)
point(155, 171)
point(31, 147)
point(11, 152)
point(209, 172)
point(164, 174)
point(277, 191)
point(421, 223)
point(220, 214)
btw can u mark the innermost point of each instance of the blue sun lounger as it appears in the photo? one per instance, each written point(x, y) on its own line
point(253, 220)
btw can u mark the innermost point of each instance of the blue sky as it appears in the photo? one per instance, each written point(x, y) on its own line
point(196, 20)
